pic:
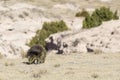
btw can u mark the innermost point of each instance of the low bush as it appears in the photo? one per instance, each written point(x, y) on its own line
point(48, 29)
point(104, 13)
point(83, 13)
point(92, 21)
point(98, 16)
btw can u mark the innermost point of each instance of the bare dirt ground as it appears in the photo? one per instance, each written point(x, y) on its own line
point(76, 66)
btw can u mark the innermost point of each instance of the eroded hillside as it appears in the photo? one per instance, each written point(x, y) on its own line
point(20, 19)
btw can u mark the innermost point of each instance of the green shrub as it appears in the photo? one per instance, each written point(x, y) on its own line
point(87, 22)
point(47, 29)
point(83, 13)
point(104, 13)
point(99, 15)
point(96, 20)
point(92, 21)
point(115, 16)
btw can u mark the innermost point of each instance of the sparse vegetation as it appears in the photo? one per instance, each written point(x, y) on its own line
point(86, 66)
point(104, 13)
point(57, 65)
point(98, 16)
point(47, 29)
point(42, 72)
point(9, 64)
point(94, 75)
point(36, 75)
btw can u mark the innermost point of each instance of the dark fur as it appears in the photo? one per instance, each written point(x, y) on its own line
point(36, 52)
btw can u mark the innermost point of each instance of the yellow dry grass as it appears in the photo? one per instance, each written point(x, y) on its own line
point(76, 66)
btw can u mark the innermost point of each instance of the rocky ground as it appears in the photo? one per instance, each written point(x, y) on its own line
point(104, 38)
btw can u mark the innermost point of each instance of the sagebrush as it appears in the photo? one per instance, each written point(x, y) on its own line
point(98, 16)
point(48, 29)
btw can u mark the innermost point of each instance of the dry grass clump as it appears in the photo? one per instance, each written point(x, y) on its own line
point(57, 65)
point(39, 73)
point(36, 75)
point(94, 75)
point(42, 71)
point(23, 54)
point(83, 13)
point(9, 64)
